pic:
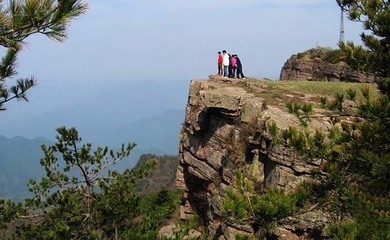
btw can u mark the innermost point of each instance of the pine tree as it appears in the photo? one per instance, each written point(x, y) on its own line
point(374, 56)
point(81, 196)
point(359, 153)
point(20, 19)
point(368, 141)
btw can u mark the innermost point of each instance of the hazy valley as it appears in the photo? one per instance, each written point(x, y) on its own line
point(149, 114)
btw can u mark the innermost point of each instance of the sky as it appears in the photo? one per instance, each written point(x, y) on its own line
point(175, 39)
point(124, 42)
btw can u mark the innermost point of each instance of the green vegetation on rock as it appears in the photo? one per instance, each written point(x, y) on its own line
point(327, 55)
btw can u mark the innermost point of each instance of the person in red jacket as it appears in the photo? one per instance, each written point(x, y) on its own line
point(220, 59)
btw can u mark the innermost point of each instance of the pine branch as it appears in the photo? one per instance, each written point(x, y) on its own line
point(18, 91)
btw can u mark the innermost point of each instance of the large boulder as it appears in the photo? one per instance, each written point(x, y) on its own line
point(322, 64)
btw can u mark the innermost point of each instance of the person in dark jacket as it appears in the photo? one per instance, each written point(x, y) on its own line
point(240, 74)
point(230, 66)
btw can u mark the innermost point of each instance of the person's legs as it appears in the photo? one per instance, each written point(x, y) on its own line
point(219, 68)
point(225, 71)
point(239, 73)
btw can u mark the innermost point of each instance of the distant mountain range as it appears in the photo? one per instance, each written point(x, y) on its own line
point(19, 161)
point(159, 134)
point(94, 110)
point(19, 157)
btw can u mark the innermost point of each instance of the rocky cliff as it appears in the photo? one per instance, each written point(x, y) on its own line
point(225, 130)
point(321, 64)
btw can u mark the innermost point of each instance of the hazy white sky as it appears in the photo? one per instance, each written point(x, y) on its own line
point(124, 40)
point(126, 60)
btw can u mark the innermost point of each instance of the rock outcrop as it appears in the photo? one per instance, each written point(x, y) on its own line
point(319, 64)
point(225, 129)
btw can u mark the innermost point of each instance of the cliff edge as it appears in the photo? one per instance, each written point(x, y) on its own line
point(226, 130)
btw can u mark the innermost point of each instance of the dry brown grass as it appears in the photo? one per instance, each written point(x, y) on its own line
point(276, 89)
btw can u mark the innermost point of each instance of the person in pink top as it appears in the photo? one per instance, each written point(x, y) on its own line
point(234, 66)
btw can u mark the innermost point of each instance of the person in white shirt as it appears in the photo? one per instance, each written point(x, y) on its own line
point(225, 64)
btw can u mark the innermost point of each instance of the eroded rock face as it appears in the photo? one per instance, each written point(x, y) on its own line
point(225, 129)
point(313, 68)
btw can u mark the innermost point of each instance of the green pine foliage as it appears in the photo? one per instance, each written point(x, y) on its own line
point(155, 208)
point(8, 211)
point(272, 205)
point(357, 184)
point(356, 187)
point(374, 55)
point(18, 21)
point(242, 237)
point(244, 205)
point(354, 184)
point(338, 102)
point(327, 55)
point(273, 129)
point(366, 143)
point(334, 56)
point(81, 198)
point(347, 230)
point(311, 145)
point(182, 229)
point(301, 110)
point(369, 209)
point(351, 94)
point(236, 207)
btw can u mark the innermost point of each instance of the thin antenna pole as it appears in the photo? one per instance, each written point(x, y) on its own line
point(342, 25)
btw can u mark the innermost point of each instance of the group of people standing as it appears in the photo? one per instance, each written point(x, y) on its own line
point(229, 66)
